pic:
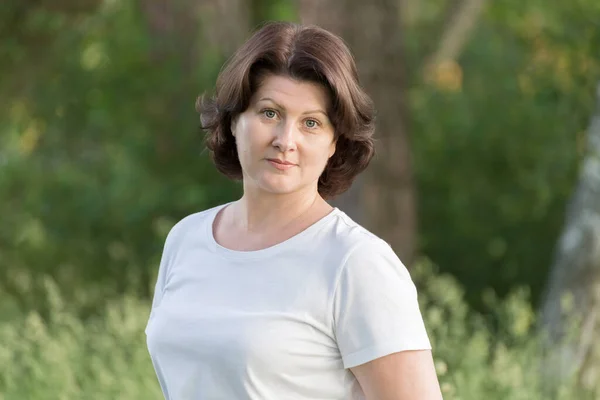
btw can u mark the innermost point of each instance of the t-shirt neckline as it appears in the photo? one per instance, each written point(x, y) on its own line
point(267, 251)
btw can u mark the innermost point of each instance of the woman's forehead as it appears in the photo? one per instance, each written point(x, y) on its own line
point(291, 93)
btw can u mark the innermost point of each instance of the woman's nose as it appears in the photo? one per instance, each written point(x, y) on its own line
point(285, 137)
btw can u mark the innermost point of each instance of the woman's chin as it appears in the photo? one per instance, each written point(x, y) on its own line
point(279, 185)
point(279, 189)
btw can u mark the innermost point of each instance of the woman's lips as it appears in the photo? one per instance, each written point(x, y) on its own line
point(280, 165)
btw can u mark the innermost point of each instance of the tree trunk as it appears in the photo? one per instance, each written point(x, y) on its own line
point(575, 276)
point(182, 28)
point(226, 24)
point(384, 198)
point(182, 32)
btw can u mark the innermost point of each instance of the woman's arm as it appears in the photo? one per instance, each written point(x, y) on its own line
point(405, 375)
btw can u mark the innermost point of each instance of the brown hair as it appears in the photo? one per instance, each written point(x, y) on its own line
point(306, 53)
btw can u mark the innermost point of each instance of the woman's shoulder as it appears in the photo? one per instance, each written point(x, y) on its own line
point(192, 222)
point(356, 240)
point(367, 258)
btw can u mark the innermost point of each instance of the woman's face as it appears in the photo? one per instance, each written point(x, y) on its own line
point(284, 139)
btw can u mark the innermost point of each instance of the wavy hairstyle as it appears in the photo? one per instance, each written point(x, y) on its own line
point(304, 53)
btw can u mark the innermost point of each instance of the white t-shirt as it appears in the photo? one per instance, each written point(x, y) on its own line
point(285, 322)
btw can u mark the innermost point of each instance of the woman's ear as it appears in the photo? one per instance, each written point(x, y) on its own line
point(332, 149)
point(233, 124)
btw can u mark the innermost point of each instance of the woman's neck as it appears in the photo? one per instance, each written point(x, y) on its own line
point(260, 212)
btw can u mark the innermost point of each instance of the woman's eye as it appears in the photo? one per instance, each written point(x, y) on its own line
point(311, 123)
point(270, 114)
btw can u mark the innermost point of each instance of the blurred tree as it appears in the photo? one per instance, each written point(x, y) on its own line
point(573, 290)
point(225, 25)
point(186, 33)
point(173, 32)
point(384, 199)
point(101, 152)
point(496, 138)
point(458, 22)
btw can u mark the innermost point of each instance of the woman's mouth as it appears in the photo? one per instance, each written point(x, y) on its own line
point(280, 164)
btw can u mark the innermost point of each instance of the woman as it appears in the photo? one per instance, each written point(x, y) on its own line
point(278, 295)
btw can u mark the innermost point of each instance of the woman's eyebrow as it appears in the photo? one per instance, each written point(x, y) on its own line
point(281, 107)
point(271, 100)
point(315, 112)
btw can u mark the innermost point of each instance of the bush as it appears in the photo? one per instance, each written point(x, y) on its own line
point(493, 356)
point(67, 358)
point(497, 355)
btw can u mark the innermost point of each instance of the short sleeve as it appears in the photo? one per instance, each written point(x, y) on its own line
point(375, 306)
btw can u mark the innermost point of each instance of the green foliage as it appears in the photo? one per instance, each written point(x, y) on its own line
point(497, 355)
point(105, 357)
point(497, 138)
point(66, 358)
point(273, 10)
point(100, 156)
